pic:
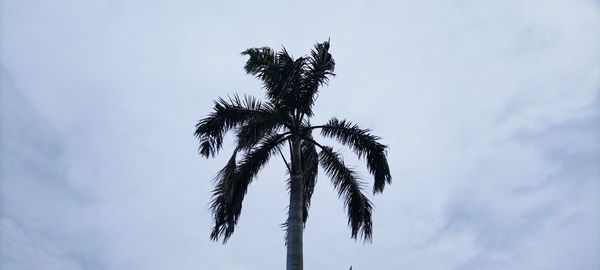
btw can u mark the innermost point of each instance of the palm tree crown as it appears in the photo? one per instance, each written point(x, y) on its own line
point(263, 127)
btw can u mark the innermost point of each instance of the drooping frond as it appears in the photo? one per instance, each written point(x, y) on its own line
point(226, 115)
point(310, 168)
point(223, 199)
point(364, 145)
point(256, 158)
point(232, 185)
point(348, 185)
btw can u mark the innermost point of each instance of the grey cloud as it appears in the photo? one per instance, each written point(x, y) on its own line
point(552, 207)
point(489, 108)
point(43, 229)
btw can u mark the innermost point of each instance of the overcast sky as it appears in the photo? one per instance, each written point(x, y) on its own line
point(490, 109)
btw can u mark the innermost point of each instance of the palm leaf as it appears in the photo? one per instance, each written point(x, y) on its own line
point(232, 184)
point(252, 131)
point(320, 64)
point(263, 64)
point(310, 168)
point(281, 74)
point(347, 183)
point(364, 145)
point(223, 197)
point(320, 67)
point(285, 93)
point(226, 115)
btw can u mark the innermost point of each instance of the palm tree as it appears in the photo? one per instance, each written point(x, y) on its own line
point(262, 129)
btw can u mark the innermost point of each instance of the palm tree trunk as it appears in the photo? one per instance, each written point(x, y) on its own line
point(294, 222)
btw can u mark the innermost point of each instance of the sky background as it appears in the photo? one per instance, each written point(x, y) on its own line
point(491, 110)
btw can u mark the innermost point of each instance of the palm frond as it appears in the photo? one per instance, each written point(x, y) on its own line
point(320, 67)
point(310, 168)
point(285, 92)
point(258, 127)
point(348, 185)
point(281, 74)
point(321, 64)
point(223, 197)
point(364, 145)
point(263, 64)
point(232, 183)
point(256, 158)
point(226, 115)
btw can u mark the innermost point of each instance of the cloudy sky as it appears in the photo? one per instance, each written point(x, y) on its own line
point(490, 109)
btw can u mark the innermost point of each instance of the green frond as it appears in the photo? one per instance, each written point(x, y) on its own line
point(232, 184)
point(348, 185)
point(281, 74)
point(310, 168)
point(223, 199)
point(259, 59)
point(256, 128)
point(285, 92)
point(364, 145)
point(321, 64)
point(263, 64)
point(319, 68)
point(256, 158)
point(226, 115)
